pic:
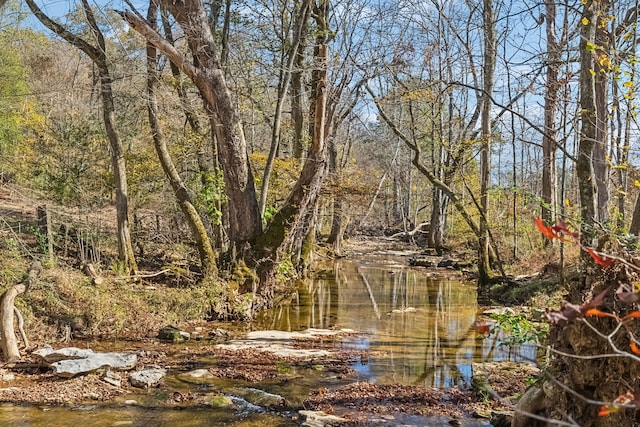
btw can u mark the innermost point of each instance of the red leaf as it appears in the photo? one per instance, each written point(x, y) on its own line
point(569, 312)
point(607, 410)
point(632, 315)
point(562, 227)
point(598, 313)
point(482, 327)
point(634, 347)
point(601, 259)
point(550, 232)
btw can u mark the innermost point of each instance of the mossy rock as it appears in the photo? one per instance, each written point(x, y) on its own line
point(172, 334)
point(221, 401)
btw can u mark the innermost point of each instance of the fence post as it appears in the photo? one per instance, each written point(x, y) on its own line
point(44, 222)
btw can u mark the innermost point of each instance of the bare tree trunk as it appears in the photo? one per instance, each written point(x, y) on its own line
point(182, 193)
point(296, 92)
point(8, 340)
point(601, 68)
point(438, 220)
point(634, 228)
point(588, 131)
point(549, 197)
point(335, 235)
point(288, 220)
point(624, 147)
point(203, 165)
point(484, 265)
point(99, 57)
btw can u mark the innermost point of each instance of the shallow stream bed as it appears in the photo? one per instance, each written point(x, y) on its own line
point(412, 327)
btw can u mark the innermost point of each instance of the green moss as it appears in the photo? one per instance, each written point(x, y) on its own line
point(221, 401)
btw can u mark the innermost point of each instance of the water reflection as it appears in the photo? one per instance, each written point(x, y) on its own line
point(104, 416)
point(419, 328)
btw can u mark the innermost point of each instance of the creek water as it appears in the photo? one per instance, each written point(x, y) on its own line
point(417, 327)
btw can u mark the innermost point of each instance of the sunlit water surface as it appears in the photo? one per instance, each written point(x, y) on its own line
point(417, 327)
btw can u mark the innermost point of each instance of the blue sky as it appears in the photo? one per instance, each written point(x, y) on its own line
point(57, 9)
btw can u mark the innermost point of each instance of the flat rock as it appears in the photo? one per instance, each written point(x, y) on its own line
point(72, 361)
point(50, 355)
point(112, 378)
point(147, 377)
point(320, 419)
point(199, 373)
point(258, 397)
point(279, 342)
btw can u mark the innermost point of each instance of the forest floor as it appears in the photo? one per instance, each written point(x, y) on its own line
point(56, 314)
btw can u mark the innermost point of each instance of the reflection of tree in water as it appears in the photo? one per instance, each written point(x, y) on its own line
point(418, 328)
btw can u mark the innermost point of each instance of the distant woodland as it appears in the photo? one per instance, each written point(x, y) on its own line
point(249, 132)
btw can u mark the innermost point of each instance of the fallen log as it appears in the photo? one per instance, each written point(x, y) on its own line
point(423, 227)
point(8, 340)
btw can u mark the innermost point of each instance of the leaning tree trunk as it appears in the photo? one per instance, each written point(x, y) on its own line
point(99, 57)
point(207, 74)
point(180, 190)
point(8, 340)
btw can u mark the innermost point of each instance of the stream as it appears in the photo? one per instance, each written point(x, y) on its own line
point(417, 328)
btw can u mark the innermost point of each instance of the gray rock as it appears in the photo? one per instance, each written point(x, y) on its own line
point(72, 361)
point(112, 378)
point(258, 397)
point(199, 373)
point(499, 311)
point(147, 377)
point(320, 419)
point(424, 261)
point(49, 355)
point(501, 418)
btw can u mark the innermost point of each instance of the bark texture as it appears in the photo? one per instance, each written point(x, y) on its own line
point(489, 29)
point(207, 74)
